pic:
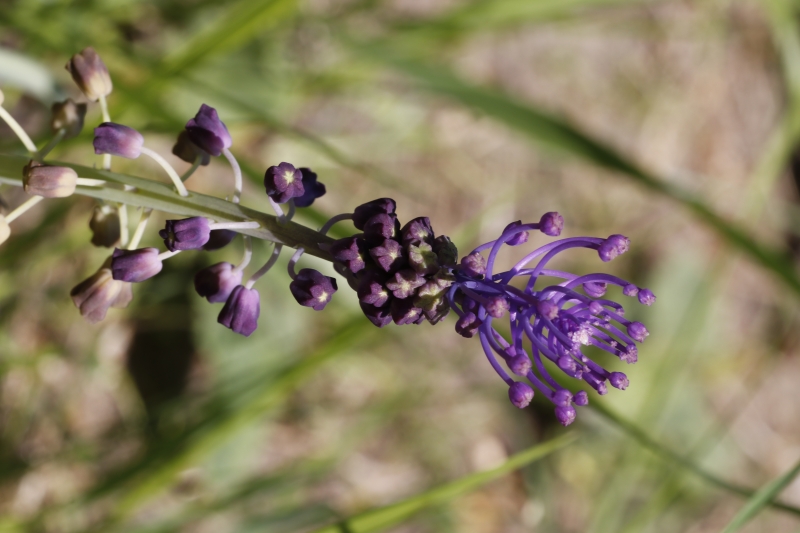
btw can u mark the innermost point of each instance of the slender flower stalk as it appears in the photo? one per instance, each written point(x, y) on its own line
point(276, 252)
point(247, 255)
point(22, 208)
point(47, 148)
point(181, 188)
point(18, 130)
point(237, 175)
point(192, 169)
point(140, 227)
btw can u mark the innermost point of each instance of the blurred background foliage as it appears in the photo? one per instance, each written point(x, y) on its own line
point(673, 122)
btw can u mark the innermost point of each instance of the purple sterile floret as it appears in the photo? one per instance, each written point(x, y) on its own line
point(497, 306)
point(618, 380)
point(379, 316)
point(208, 132)
point(630, 290)
point(389, 255)
point(565, 414)
point(422, 258)
point(647, 297)
point(474, 265)
point(350, 251)
point(467, 325)
point(372, 289)
point(215, 283)
point(312, 189)
point(580, 398)
point(612, 247)
point(637, 331)
point(547, 309)
point(520, 394)
point(117, 140)
point(241, 311)
point(283, 182)
point(417, 231)
point(520, 364)
point(381, 227)
point(551, 224)
point(312, 289)
point(404, 283)
point(562, 397)
point(135, 265)
point(518, 238)
point(364, 212)
point(405, 312)
point(595, 289)
point(186, 234)
point(219, 238)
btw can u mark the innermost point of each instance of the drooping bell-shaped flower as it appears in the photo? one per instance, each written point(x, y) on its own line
point(117, 140)
point(312, 289)
point(208, 132)
point(241, 311)
point(284, 182)
point(186, 234)
point(312, 189)
point(90, 74)
point(215, 283)
point(135, 265)
point(48, 181)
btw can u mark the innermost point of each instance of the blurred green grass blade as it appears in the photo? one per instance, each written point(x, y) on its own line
point(651, 444)
point(383, 517)
point(761, 499)
point(561, 136)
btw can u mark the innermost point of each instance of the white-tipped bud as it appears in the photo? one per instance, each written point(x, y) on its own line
point(48, 181)
point(90, 74)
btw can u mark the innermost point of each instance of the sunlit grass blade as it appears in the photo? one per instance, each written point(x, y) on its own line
point(651, 444)
point(559, 135)
point(383, 517)
point(761, 499)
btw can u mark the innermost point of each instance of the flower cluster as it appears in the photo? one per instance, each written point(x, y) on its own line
point(530, 320)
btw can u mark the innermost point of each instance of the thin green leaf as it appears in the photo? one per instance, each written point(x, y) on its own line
point(761, 499)
point(383, 517)
point(559, 135)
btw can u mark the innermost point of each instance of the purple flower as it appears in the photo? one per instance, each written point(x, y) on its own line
point(208, 132)
point(351, 252)
point(135, 265)
point(404, 283)
point(364, 212)
point(379, 316)
point(381, 227)
point(311, 187)
point(284, 182)
point(549, 323)
point(215, 283)
point(372, 289)
point(118, 140)
point(312, 289)
point(405, 312)
point(48, 181)
point(95, 295)
point(417, 231)
point(186, 234)
point(389, 255)
point(241, 311)
point(188, 151)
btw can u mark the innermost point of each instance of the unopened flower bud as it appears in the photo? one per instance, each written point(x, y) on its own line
point(90, 74)
point(565, 414)
point(646, 297)
point(48, 181)
point(517, 238)
point(364, 212)
point(379, 316)
point(547, 309)
point(283, 182)
point(135, 265)
point(186, 234)
point(520, 364)
point(95, 295)
point(474, 265)
point(188, 151)
point(241, 311)
point(208, 132)
point(468, 325)
point(595, 289)
point(313, 289)
point(381, 227)
point(595, 308)
point(372, 289)
point(497, 306)
point(637, 331)
point(446, 251)
point(612, 247)
point(117, 140)
point(105, 226)
point(630, 290)
point(417, 231)
point(422, 258)
point(405, 312)
point(562, 397)
point(350, 251)
point(68, 115)
point(389, 255)
point(312, 189)
point(551, 224)
point(581, 398)
point(216, 282)
point(520, 394)
point(404, 283)
point(618, 380)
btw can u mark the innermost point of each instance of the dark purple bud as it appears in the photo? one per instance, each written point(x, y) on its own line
point(313, 289)
point(135, 265)
point(446, 251)
point(48, 181)
point(68, 116)
point(216, 282)
point(95, 295)
point(618, 380)
point(90, 74)
point(520, 394)
point(404, 283)
point(188, 151)
point(637, 331)
point(581, 398)
point(417, 231)
point(405, 312)
point(518, 238)
point(422, 258)
point(364, 212)
point(596, 308)
point(351, 252)
point(241, 311)
point(520, 364)
point(389, 255)
point(381, 227)
point(497, 306)
point(372, 289)
point(186, 234)
point(208, 132)
point(630, 290)
point(474, 265)
point(380, 316)
point(105, 226)
point(283, 182)
point(646, 297)
point(312, 189)
point(547, 309)
point(118, 140)
point(551, 224)
point(565, 414)
point(562, 397)
point(612, 247)
point(595, 289)
point(630, 354)
point(219, 238)
point(468, 325)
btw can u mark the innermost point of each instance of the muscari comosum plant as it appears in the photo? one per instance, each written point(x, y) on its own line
point(401, 273)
